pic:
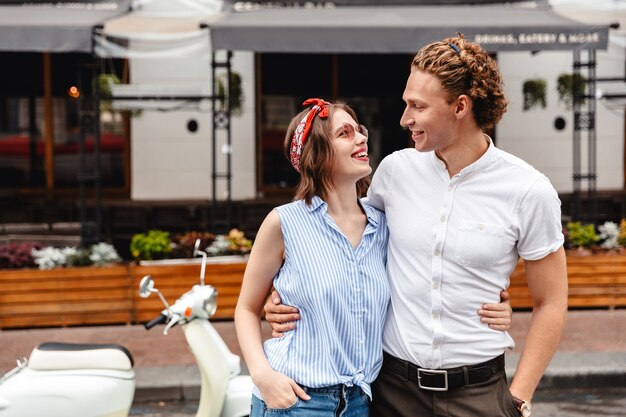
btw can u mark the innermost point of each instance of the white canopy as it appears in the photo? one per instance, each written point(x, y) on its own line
point(54, 27)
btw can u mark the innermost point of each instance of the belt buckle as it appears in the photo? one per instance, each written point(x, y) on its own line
point(432, 371)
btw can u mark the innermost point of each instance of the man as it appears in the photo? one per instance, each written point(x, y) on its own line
point(460, 212)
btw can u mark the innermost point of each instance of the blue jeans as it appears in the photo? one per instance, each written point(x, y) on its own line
point(333, 401)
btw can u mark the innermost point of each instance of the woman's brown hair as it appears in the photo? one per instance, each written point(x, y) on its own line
point(463, 67)
point(318, 157)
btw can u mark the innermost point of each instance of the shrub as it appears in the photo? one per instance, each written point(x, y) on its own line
point(78, 257)
point(51, 257)
point(103, 253)
point(184, 243)
point(235, 243)
point(582, 235)
point(17, 255)
point(621, 238)
point(609, 234)
point(155, 244)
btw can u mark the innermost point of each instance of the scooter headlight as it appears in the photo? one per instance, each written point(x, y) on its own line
point(210, 303)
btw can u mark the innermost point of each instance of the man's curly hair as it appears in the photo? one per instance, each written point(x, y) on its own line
point(467, 69)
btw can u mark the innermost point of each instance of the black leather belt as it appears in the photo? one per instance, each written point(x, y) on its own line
point(444, 379)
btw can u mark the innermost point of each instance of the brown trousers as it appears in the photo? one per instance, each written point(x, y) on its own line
point(395, 396)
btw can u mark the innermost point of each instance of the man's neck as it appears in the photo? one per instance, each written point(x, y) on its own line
point(464, 152)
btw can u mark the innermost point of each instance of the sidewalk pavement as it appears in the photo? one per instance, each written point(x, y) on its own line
point(592, 352)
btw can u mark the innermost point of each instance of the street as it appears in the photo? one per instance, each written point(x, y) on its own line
point(548, 403)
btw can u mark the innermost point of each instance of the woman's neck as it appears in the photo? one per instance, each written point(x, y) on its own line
point(343, 200)
point(349, 216)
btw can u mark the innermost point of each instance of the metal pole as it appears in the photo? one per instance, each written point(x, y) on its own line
point(575, 209)
point(229, 142)
point(96, 134)
point(213, 144)
point(81, 159)
point(592, 144)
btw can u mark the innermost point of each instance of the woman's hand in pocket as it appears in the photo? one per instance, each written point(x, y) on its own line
point(280, 391)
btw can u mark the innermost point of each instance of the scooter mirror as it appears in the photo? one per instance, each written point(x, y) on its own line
point(196, 247)
point(146, 286)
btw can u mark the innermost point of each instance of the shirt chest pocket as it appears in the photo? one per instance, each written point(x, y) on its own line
point(480, 244)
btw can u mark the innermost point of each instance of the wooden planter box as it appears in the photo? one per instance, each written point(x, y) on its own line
point(109, 295)
point(594, 281)
point(65, 296)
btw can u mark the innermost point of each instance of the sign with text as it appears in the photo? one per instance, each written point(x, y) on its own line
point(542, 39)
point(318, 3)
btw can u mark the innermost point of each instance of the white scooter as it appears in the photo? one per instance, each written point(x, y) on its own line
point(74, 380)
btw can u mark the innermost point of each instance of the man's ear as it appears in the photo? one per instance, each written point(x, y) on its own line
point(463, 106)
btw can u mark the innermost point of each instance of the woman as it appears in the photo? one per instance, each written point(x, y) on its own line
point(325, 253)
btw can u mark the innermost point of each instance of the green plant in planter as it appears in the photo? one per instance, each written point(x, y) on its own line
point(582, 235)
point(79, 258)
point(534, 93)
point(236, 98)
point(155, 244)
point(571, 88)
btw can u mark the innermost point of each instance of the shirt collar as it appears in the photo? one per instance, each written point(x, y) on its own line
point(484, 160)
point(316, 203)
point(371, 213)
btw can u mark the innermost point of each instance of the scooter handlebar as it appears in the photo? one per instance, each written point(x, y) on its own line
point(162, 318)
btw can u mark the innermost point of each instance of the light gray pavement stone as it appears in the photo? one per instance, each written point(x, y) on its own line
point(592, 352)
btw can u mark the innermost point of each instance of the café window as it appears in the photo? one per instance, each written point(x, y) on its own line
point(23, 113)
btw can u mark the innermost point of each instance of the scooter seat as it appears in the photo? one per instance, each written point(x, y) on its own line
point(58, 356)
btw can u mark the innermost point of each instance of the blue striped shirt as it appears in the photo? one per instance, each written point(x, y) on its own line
point(342, 294)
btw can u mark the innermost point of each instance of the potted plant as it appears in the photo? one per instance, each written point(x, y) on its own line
point(571, 89)
point(580, 237)
point(235, 89)
point(534, 94)
point(155, 244)
point(18, 255)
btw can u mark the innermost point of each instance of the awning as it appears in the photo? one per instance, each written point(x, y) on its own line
point(53, 27)
point(142, 35)
point(401, 29)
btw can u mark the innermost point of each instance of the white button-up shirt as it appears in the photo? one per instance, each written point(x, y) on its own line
point(453, 244)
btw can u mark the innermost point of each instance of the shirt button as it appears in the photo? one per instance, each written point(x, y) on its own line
point(435, 285)
point(435, 316)
point(360, 341)
point(450, 187)
point(443, 218)
point(435, 346)
point(437, 252)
